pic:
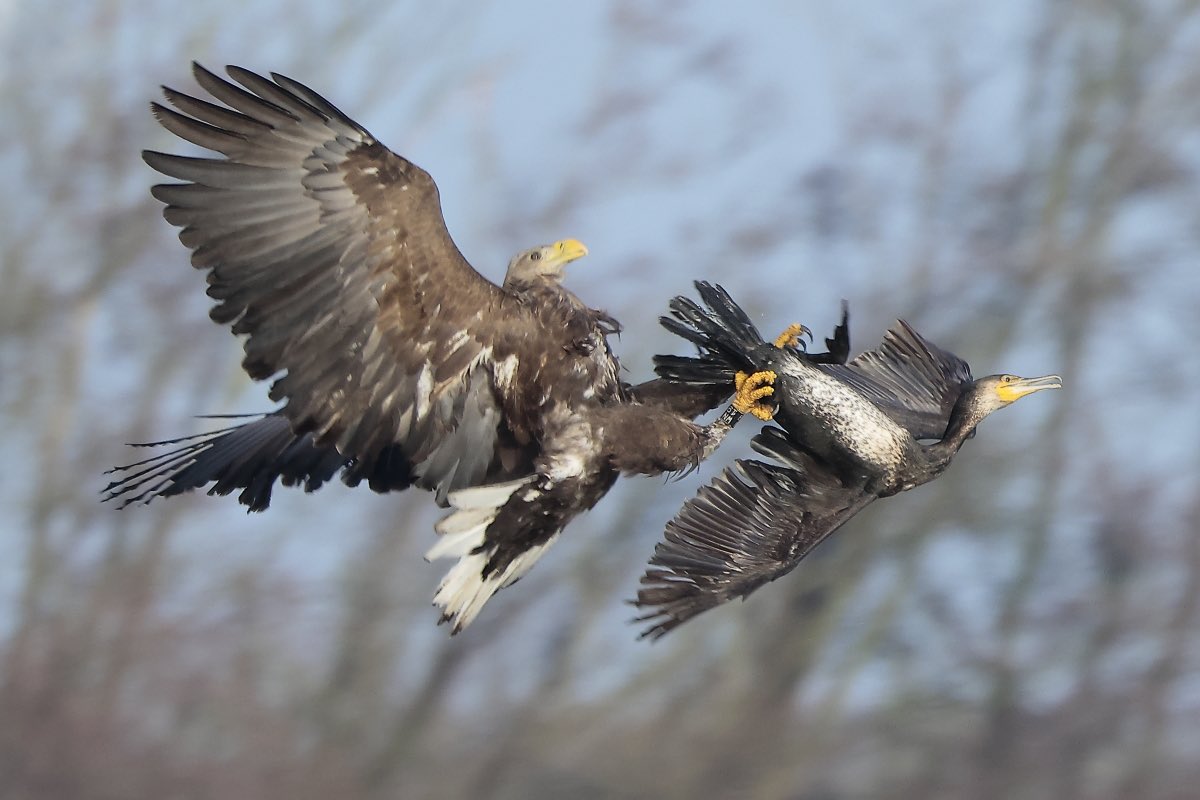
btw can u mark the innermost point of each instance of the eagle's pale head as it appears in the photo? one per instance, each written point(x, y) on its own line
point(544, 263)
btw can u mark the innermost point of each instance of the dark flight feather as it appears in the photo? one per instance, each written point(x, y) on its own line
point(752, 524)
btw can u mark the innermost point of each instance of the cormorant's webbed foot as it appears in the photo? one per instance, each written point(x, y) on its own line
point(792, 336)
point(750, 389)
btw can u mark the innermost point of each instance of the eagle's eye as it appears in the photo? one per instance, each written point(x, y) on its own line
point(536, 255)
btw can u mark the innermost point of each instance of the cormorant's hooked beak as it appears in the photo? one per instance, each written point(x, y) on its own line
point(1014, 390)
point(566, 251)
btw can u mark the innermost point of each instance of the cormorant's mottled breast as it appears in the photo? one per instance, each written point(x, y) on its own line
point(850, 433)
point(396, 361)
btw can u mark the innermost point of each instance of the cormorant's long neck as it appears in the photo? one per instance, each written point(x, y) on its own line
point(963, 420)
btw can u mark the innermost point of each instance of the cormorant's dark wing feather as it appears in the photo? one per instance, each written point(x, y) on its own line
point(751, 525)
point(912, 380)
point(838, 345)
point(330, 253)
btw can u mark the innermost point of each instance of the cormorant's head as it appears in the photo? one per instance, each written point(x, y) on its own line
point(997, 391)
point(987, 395)
point(545, 262)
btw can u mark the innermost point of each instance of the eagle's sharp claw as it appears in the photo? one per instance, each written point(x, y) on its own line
point(750, 391)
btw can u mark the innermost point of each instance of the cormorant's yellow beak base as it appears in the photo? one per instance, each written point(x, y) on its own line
point(1012, 388)
point(792, 336)
point(568, 250)
point(750, 391)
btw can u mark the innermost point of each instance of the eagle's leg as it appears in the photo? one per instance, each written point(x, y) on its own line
point(792, 336)
point(750, 389)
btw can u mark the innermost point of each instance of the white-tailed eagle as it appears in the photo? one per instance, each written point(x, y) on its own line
point(397, 362)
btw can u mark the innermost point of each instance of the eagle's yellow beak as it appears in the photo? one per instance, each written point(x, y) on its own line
point(568, 250)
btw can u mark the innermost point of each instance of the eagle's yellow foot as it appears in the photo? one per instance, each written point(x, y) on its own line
point(792, 336)
point(750, 391)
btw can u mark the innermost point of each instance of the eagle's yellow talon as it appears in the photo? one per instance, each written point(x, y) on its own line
point(791, 336)
point(750, 390)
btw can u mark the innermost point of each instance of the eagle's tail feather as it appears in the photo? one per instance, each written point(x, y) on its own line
point(498, 532)
point(472, 581)
point(462, 531)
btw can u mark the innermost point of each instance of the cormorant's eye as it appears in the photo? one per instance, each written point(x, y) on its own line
point(1007, 379)
point(536, 255)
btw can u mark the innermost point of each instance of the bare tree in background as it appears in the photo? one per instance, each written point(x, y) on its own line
point(1026, 626)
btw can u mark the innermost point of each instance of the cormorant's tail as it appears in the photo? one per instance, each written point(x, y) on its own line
point(249, 457)
point(729, 342)
point(723, 332)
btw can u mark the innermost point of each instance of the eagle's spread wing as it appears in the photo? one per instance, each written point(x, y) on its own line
point(752, 524)
point(912, 380)
point(330, 253)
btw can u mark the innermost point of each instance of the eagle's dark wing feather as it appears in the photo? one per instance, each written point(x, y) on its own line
point(249, 458)
point(330, 253)
point(749, 526)
point(912, 380)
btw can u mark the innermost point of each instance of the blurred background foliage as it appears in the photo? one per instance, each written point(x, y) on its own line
point(1019, 180)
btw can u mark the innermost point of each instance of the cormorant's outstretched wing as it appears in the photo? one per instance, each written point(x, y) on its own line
point(330, 253)
point(751, 525)
point(912, 380)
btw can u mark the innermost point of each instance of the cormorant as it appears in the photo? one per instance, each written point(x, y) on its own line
point(850, 433)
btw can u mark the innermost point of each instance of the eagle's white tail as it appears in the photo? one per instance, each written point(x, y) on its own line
point(464, 591)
